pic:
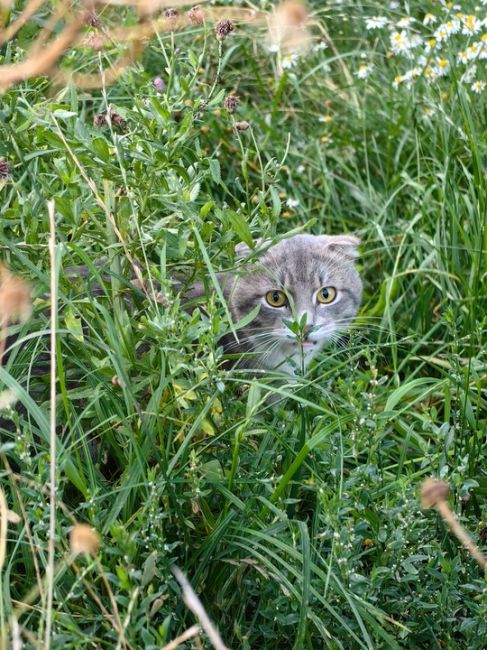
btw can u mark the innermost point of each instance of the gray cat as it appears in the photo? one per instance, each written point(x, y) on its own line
point(307, 291)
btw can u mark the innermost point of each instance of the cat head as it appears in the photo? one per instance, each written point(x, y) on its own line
point(307, 290)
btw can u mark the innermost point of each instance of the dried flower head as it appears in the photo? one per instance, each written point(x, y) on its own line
point(242, 126)
point(84, 539)
point(5, 171)
point(196, 16)
point(15, 297)
point(171, 15)
point(231, 103)
point(101, 119)
point(92, 19)
point(117, 120)
point(223, 28)
point(432, 492)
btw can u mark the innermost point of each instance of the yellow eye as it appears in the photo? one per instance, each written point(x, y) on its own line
point(276, 298)
point(326, 295)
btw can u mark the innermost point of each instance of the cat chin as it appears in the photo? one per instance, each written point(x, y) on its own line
point(292, 357)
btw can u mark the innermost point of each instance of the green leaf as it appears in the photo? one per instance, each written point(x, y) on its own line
point(240, 227)
point(215, 171)
point(205, 210)
point(276, 202)
point(73, 324)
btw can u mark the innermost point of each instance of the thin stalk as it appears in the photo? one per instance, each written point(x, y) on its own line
point(52, 424)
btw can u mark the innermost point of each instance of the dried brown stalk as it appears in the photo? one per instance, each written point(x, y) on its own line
point(185, 636)
point(42, 59)
point(96, 80)
point(26, 15)
point(193, 603)
point(434, 494)
point(43, 62)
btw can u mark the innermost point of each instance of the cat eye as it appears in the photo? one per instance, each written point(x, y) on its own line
point(276, 298)
point(326, 295)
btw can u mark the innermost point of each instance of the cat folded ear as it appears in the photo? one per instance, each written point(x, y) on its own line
point(345, 245)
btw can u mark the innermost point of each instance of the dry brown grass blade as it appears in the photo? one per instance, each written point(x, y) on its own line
point(41, 62)
point(190, 633)
point(193, 603)
point(60, 13)
point(42, 59)
point(26, 15)
point(96, 80)
point(434, 494)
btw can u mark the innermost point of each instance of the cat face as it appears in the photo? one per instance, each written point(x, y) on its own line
point(307, 290)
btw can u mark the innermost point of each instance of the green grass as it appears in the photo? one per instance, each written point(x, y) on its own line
point(298, 525)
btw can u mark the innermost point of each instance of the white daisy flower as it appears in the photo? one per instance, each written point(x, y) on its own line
point(292, 203)
point(471, 25)
point(289, 61)
point(397, 81)
point(376, 22)
point(320, 46)
point(442, 67)
point(404, 22)
point(462, 57)
point(400, 42)
point(441, 34)
point(453, 26)
point(410, 76)
point(478, 86)
point(300, 169)
point(473, 51)
point(430, 19)
point(363, 71)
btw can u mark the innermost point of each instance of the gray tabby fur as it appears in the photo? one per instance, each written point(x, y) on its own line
point(298, 266)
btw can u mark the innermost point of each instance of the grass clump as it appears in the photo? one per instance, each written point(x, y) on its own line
point(298, 525)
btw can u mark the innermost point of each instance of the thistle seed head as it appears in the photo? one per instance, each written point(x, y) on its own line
point(223, 28)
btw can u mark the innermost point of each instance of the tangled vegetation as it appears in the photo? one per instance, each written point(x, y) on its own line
point(298, 523)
